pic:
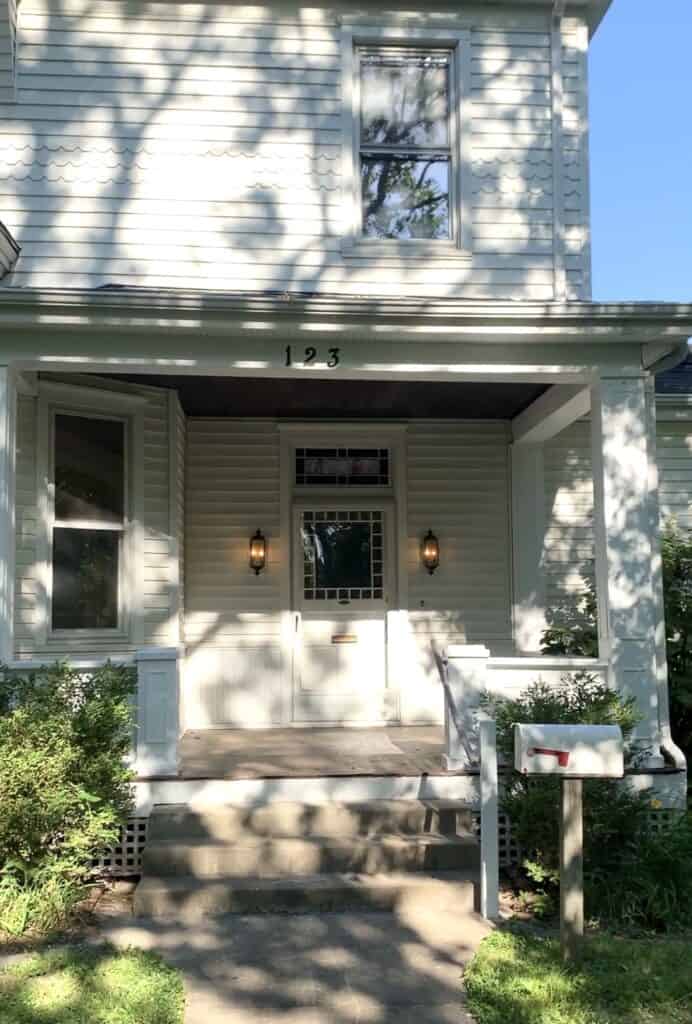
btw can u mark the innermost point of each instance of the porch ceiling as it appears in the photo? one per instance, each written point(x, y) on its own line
point(326, 399)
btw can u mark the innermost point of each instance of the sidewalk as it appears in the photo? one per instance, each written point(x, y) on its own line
point(341, 968)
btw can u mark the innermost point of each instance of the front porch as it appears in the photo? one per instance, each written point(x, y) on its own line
point(135, 481)
point(311, 753)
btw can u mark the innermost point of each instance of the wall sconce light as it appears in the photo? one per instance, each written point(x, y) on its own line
point(258, 552)
point(430, 552)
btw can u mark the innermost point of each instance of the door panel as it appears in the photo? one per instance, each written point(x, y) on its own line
point(342, 580)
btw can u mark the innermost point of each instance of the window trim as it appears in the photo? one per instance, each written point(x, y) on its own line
point(458, 42)
point(57, 398)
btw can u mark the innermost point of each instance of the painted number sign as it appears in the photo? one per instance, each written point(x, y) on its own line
point(330, 357)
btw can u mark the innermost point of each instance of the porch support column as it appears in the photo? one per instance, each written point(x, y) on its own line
point(670, 751)
point(528, 533)
point(8, 416)
point(628, 615)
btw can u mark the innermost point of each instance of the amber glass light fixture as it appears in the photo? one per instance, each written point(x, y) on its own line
point(258, 552)
point(430, 552)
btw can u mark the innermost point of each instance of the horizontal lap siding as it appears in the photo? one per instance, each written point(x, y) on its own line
point(204, 149)
point(458, 487)
point(575, 163)
point(158, 600)
point(512, 149)
point(675, 467)
point(569, 540)
point(568, 549)
point(232, 488)
point(235, 671)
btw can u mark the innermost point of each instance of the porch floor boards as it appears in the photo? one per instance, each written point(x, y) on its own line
point(311, 753)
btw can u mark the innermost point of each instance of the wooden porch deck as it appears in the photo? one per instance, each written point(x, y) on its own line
point(311, 753)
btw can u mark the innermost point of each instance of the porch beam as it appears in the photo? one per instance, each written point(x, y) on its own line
point(629, 612)
point(8, 416)
point(550, 413)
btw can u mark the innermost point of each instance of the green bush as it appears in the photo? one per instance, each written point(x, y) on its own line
point(652, 885)
point(615, 817)
point(64, 784)
point(676, 555)
point(572, 624)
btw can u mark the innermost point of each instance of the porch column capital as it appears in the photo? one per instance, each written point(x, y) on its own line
point(625, 544)
point(8, 416)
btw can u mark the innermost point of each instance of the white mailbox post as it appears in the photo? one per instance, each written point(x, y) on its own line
point(573, 753)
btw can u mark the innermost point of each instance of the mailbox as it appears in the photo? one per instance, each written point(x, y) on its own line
point(570, 751)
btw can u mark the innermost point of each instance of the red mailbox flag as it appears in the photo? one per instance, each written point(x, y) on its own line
point(561, 755)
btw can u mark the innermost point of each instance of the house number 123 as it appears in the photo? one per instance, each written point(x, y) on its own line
point(311, 355)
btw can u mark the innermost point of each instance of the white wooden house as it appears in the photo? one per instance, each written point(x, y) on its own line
point(321, 272)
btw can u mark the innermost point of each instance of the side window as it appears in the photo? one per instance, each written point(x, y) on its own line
point(405, 143)
point(88, 521)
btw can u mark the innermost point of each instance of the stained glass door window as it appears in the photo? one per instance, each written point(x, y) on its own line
point(343, 555)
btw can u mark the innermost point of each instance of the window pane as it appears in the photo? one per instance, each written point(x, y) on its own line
point(85, 579)
point(89, 469)
point(404, 98)
point(405, 197)
point(342, 554)
point(342, 467)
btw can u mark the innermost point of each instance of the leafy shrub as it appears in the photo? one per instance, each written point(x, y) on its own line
point(64, 784)
point(652, 886)
point(572, 629)
point(676, 555)
point(614, 816)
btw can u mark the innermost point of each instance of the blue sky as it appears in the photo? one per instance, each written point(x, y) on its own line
point(641, 151)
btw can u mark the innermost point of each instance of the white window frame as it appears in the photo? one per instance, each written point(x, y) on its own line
point(459, 245)
point(56, 399)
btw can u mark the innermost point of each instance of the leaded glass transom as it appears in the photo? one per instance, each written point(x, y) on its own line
point(343, 555)
point(342, 467)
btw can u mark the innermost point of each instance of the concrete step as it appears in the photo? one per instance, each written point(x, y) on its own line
point(278, 857)
point(191, 899)
point(295, 820)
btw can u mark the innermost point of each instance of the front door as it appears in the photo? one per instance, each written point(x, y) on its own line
point(342, 559)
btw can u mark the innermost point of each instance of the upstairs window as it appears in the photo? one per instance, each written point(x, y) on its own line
point(89, 521)
point(405, 143)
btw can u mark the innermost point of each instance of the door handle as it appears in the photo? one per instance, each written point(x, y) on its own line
point(344, 638)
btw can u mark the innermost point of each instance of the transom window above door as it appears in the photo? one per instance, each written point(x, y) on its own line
point(342, 467)
point(343, 555)
point(405, 143)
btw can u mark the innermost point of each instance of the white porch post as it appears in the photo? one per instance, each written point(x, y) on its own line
point(628, 615)
point(528, 533)
point(8, 409)
point(668, 747)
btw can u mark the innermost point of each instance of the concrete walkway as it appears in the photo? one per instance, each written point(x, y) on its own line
point(342, 968)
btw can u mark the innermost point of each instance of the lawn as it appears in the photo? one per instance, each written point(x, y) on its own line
point(87, 985)
point(520, 979)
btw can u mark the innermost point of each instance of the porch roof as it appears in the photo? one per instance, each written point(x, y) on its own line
point(124, 309)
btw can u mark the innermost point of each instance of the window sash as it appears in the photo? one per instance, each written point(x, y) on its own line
point(410, 150)
point(122, 528)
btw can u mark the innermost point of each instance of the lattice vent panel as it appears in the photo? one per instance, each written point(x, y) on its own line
point(125, 857)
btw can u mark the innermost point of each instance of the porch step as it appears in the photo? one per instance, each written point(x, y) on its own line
point(290, 856)
point(191, 899)
point(283, 857)
point(296, 820)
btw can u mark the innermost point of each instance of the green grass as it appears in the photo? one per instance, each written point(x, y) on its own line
point(518, 979)
point(86, 985)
